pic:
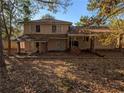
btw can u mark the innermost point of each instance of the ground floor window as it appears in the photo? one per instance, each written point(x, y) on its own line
point(37, 46)
point(86, 38)
point(74, 43)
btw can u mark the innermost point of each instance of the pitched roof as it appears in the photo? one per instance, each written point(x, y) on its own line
point(81, 30)
point(49, 21)
point(40, 37)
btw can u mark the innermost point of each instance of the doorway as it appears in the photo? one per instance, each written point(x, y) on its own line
point(43, 47)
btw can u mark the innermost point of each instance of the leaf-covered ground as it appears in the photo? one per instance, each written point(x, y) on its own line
point(72, 75)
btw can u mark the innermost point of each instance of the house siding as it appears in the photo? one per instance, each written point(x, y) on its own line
point(29, 46)
point(54, 43)
point(83, 44)
point(26, 28)
point(99, 45)
point(30, 28)
point(13, 44)
point(58, 40)
point(122, 41)
point(57, 45)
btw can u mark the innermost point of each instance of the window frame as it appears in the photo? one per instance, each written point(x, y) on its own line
point(37, 44)
point(69, 28)
point(86, 38)
point(54, 28)
point(75, 43)
point(37, 28)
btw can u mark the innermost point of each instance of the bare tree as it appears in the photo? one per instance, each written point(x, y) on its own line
point(16, 9)
point(2, 61)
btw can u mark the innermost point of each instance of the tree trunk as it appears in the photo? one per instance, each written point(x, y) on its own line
point(92, 44)
point(9, 46)
point(2, 60)
point(19, 48)
point(10, 33)
point(120, 42)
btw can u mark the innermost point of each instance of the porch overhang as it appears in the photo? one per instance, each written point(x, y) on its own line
point(40, 38)
point(42, 41)
point(57, 38)
point(79, 35)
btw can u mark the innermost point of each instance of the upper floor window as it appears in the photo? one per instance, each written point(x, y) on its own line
point(53, 28)
point(37, 28)
point(69, 28)
point(59, 28)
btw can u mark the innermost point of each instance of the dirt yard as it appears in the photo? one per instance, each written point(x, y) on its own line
point(72, 75)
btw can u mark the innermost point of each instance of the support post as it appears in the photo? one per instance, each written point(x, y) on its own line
point(92, 44)
point(19, 47)
point(71, 43)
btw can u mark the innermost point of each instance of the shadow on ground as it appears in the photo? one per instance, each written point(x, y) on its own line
point(100, 75)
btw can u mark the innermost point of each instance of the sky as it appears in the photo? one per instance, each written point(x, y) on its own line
point(73, 13)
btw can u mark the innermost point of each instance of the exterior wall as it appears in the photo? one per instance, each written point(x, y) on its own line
point(42, 47)
point(122, 41)
point(26, 28)
point(57, 45)
point(13, 44)
point(62, 45)
point(83, 44)
point(99, 45)
point(52, 45)
point(13, 47)
point(30, 28)
point(29, 47)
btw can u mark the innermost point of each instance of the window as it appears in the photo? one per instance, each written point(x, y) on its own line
point(37, 28)
point(53, 28)
point(75, 43)
point(69, 28)
point(37, 47)
point(59, 28)
point(86, 38)
point(37, 44)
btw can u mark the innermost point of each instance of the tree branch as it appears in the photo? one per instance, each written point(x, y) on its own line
point(113, 13)
point(2, 14)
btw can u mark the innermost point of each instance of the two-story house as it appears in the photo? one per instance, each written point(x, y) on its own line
point(45, 35)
